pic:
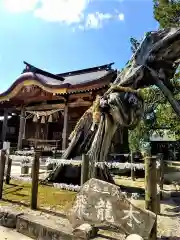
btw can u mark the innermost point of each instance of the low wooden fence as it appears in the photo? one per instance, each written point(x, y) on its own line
point(153, 167)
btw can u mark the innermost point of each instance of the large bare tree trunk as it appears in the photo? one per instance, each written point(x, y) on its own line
point(154, 63)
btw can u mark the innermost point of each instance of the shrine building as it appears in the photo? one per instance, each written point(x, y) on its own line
point(41, 106)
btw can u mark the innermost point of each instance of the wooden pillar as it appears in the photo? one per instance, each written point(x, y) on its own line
point(24, 131)
point(2, 169)
point(65, 129)
point(21, 129)
point(8, 171)
point(161, 171)
point(151, 190)
point(5, 125)
point(35, 179)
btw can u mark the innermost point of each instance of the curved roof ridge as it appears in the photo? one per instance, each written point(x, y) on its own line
point(87, 70)
point(31, 68)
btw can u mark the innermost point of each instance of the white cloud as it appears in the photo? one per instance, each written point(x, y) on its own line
point(18, 6)
point(121, 16)
point(64, 11)
point(69, 11)
point(95, 20)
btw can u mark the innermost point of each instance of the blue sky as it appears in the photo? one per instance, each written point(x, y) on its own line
point(65, 35)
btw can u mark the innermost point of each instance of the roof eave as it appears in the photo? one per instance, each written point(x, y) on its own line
point(30, 78)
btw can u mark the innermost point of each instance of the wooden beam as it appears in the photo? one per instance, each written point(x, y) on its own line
point(80, 103)
point(79, 95)
point(41, 107)
point(45, 107)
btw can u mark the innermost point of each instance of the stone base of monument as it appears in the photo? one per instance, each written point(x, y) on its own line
point(41, 226)
point(8, 217)
point(36, 225)
point(102, 203)
point(84, 232)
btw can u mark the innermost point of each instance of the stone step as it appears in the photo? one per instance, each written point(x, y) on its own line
point(44, 226)
point(36, 224)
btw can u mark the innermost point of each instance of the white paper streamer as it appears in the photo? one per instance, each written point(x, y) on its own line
point(24, 152)
point(27, 161)
point(23, 179)
point(68, 187)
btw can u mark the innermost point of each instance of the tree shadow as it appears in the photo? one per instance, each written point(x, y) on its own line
point(27, 205)
point(107, 237)
point(169, 238)
point(175, 212)
point(12, 191)
point(19, 194)
point(15, 202)
point(51, 212)
point(130, 189)
point(12, 184)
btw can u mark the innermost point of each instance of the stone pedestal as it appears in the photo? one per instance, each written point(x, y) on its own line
point(25, 170)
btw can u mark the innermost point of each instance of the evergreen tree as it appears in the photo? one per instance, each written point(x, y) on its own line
point(134, 44)
point(167, 13)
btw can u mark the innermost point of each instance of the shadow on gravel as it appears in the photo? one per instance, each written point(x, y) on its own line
point(129, 189)
point(51, 212)
point(107, 237)
point(15, 202)
point(175, 212)
point(169, 238)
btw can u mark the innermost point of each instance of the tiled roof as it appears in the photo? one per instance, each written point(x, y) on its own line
point(73, 78)
point(71, 82)
point(85, 77)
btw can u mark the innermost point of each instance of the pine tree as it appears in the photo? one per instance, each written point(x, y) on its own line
point(134, 44)
point(167, 13)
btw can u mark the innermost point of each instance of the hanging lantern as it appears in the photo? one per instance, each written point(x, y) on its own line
point(35, 119)
point(43, 119)
point(50, 119)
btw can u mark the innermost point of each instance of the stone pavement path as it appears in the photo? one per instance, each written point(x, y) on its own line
point(9, 234)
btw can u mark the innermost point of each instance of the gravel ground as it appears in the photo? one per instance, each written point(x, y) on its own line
point(9, 234)
point(169, 221)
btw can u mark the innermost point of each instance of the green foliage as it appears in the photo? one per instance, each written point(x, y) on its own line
point(134, 44)
point(166, 118)
point(167, 12)
point(138, 136)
